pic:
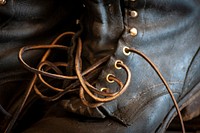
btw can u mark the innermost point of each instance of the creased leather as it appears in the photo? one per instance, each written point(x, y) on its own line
point(169, 37)
point(168, 33)
point(101, 30)
point(28, 22)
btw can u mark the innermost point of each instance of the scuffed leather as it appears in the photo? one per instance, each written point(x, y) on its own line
point(168, 33)
point(103, 25)
point(100, 33)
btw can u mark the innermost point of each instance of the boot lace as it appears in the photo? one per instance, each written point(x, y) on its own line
point(81, 83)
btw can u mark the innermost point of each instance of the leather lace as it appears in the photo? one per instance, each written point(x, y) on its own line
point(99, 96)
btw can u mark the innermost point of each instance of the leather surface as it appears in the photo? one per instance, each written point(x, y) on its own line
point(28, 22)
point(168, 33)
point(103, 25)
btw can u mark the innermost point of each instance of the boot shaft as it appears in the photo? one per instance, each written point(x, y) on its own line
point(103, 25)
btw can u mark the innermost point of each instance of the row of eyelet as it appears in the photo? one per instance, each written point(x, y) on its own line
point(133, 32)
point(134, 14)
point(2, 2)
point(111, 75)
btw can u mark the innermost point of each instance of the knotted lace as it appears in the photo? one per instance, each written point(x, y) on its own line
point(99, 96)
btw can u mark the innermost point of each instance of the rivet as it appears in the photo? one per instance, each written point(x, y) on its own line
point(133, 14)
point(2, 2)
point(133, 31)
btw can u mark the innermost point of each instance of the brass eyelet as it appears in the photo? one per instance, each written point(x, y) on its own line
point(116, 64)
point(133, 32)
point(109, 80)
point(133, 14)
point(104, 89)
point(125, 51)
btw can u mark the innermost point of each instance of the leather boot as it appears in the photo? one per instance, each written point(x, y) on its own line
point(167, 33)
point(26, 23)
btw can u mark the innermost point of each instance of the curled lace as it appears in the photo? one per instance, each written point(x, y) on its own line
point(43, 72)
point(81, 84)
point(32, 83)
point(84, 86)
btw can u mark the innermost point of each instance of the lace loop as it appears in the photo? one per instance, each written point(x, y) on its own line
point(97, 97)
point(78, 65)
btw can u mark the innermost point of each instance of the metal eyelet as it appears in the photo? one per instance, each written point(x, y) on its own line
point(133, 31)
point(125, 51)
point(2, 2)
point(104, 89)
point(116, 64)
point(109, 80)
point(133, 14)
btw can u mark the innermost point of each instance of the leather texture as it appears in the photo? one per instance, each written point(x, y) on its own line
point(28, 22)
point(101, 30)
point(168, 33)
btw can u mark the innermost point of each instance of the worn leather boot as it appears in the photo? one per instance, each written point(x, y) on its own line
point(158, 50)
point(27, 22)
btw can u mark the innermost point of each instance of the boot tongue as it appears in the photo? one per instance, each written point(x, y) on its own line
point(103, 25)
